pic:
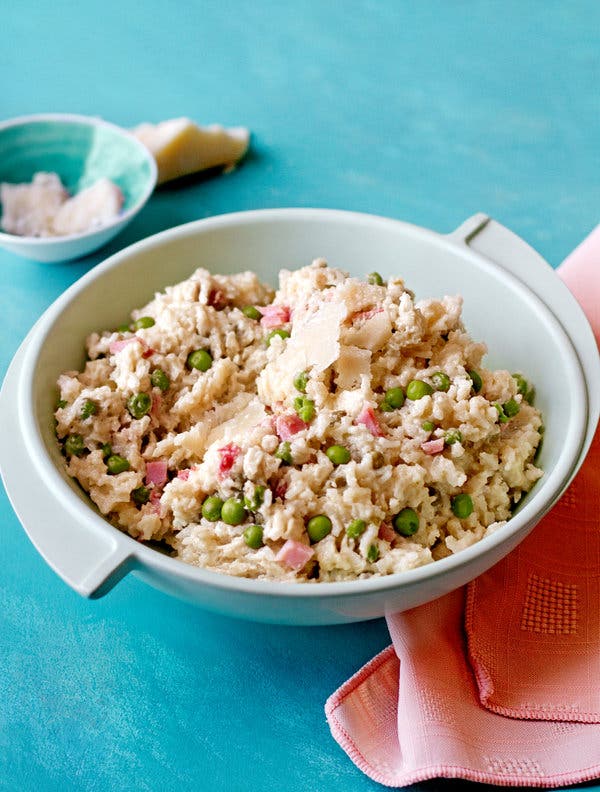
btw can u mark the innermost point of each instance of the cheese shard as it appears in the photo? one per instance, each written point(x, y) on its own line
point(29, 209)
point(318, 336)
point(91, 208)
point(181, 147)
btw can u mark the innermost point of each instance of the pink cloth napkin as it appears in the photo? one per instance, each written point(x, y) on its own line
point(498, 682)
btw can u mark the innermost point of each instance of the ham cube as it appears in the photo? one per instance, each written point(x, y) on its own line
point(156, 473)
point(433, 446)
point(294, 554)
point(368, 418)
point(287, 426)
point(274, 315)
point(229, 453)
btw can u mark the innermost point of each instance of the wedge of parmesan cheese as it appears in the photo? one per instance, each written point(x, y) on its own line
point(237, 428)
point(181, 147)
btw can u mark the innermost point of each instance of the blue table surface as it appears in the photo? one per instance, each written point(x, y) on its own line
point(427, 112)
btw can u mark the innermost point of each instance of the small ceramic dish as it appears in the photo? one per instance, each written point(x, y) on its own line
point(512, 300)
point(80, 150)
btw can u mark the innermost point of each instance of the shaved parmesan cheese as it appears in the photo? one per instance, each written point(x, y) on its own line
point(318, 337)
point(181, 147)
point(276, 380)
point(238, 427)
point(371, 334)
point(351, 365)
point(314, 343)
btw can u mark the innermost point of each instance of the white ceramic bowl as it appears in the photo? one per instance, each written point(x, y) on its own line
point(513, 301)
point(80, 150)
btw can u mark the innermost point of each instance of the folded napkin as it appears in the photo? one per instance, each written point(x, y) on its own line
point(498, 682)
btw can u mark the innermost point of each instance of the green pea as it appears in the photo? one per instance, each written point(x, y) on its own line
point(305, 408)
point(375, 279)
point(428, 426)
point(338, 454)
point(143, 322)
point(394, 397)
point(416, 389)
point(140, 495)
point(530, 395)
point(521, 383)
point(74, 445)
point(462, 506)
point(318, 527)
point(251, 312)
point(253, 536)
point(123, 328)
point(372, 553)
point(284, 452)
point(160, 380)
point(116, 464)
point(452, 436)
point(523, 387)
point(211, 508)
point(257, 498)
point(279, 332)
point(233, 512)
point(440, 381)
point(502, 417)
point(476, 380)
point(511, 408)
point(385, 407)
point(139, 404)
point(356, 528)
point(61, 404)
point(199, 359)
point(300, 381)
point(406, 522)
point(88, 409)
point(106, 449)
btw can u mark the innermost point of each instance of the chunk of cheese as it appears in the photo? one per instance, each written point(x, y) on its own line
point(29, 209)
point(91, 208)
point(181, 147)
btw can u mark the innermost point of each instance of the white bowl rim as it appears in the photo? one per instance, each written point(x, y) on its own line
point(92, 121)
point(552, 484)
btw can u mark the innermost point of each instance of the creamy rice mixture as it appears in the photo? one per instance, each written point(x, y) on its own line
point(333, 430)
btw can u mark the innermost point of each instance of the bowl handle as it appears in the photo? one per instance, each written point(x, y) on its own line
point(87, 560)
point(494, 241)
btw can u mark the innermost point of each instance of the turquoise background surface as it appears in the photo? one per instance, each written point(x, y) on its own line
point(427, 112)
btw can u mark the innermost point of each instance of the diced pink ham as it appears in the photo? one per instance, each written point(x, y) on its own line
point(386, 532)
point(274, 315)
point(156, 473)
point(117, 346)
point(287, 426)
point(229, 454)
point(433, 446)
point(294, 554)
point(183, 474)
point(148, 353)
point(364, 315)
point(368, 418)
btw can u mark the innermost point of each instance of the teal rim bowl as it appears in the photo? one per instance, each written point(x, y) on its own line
point(81, 150)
